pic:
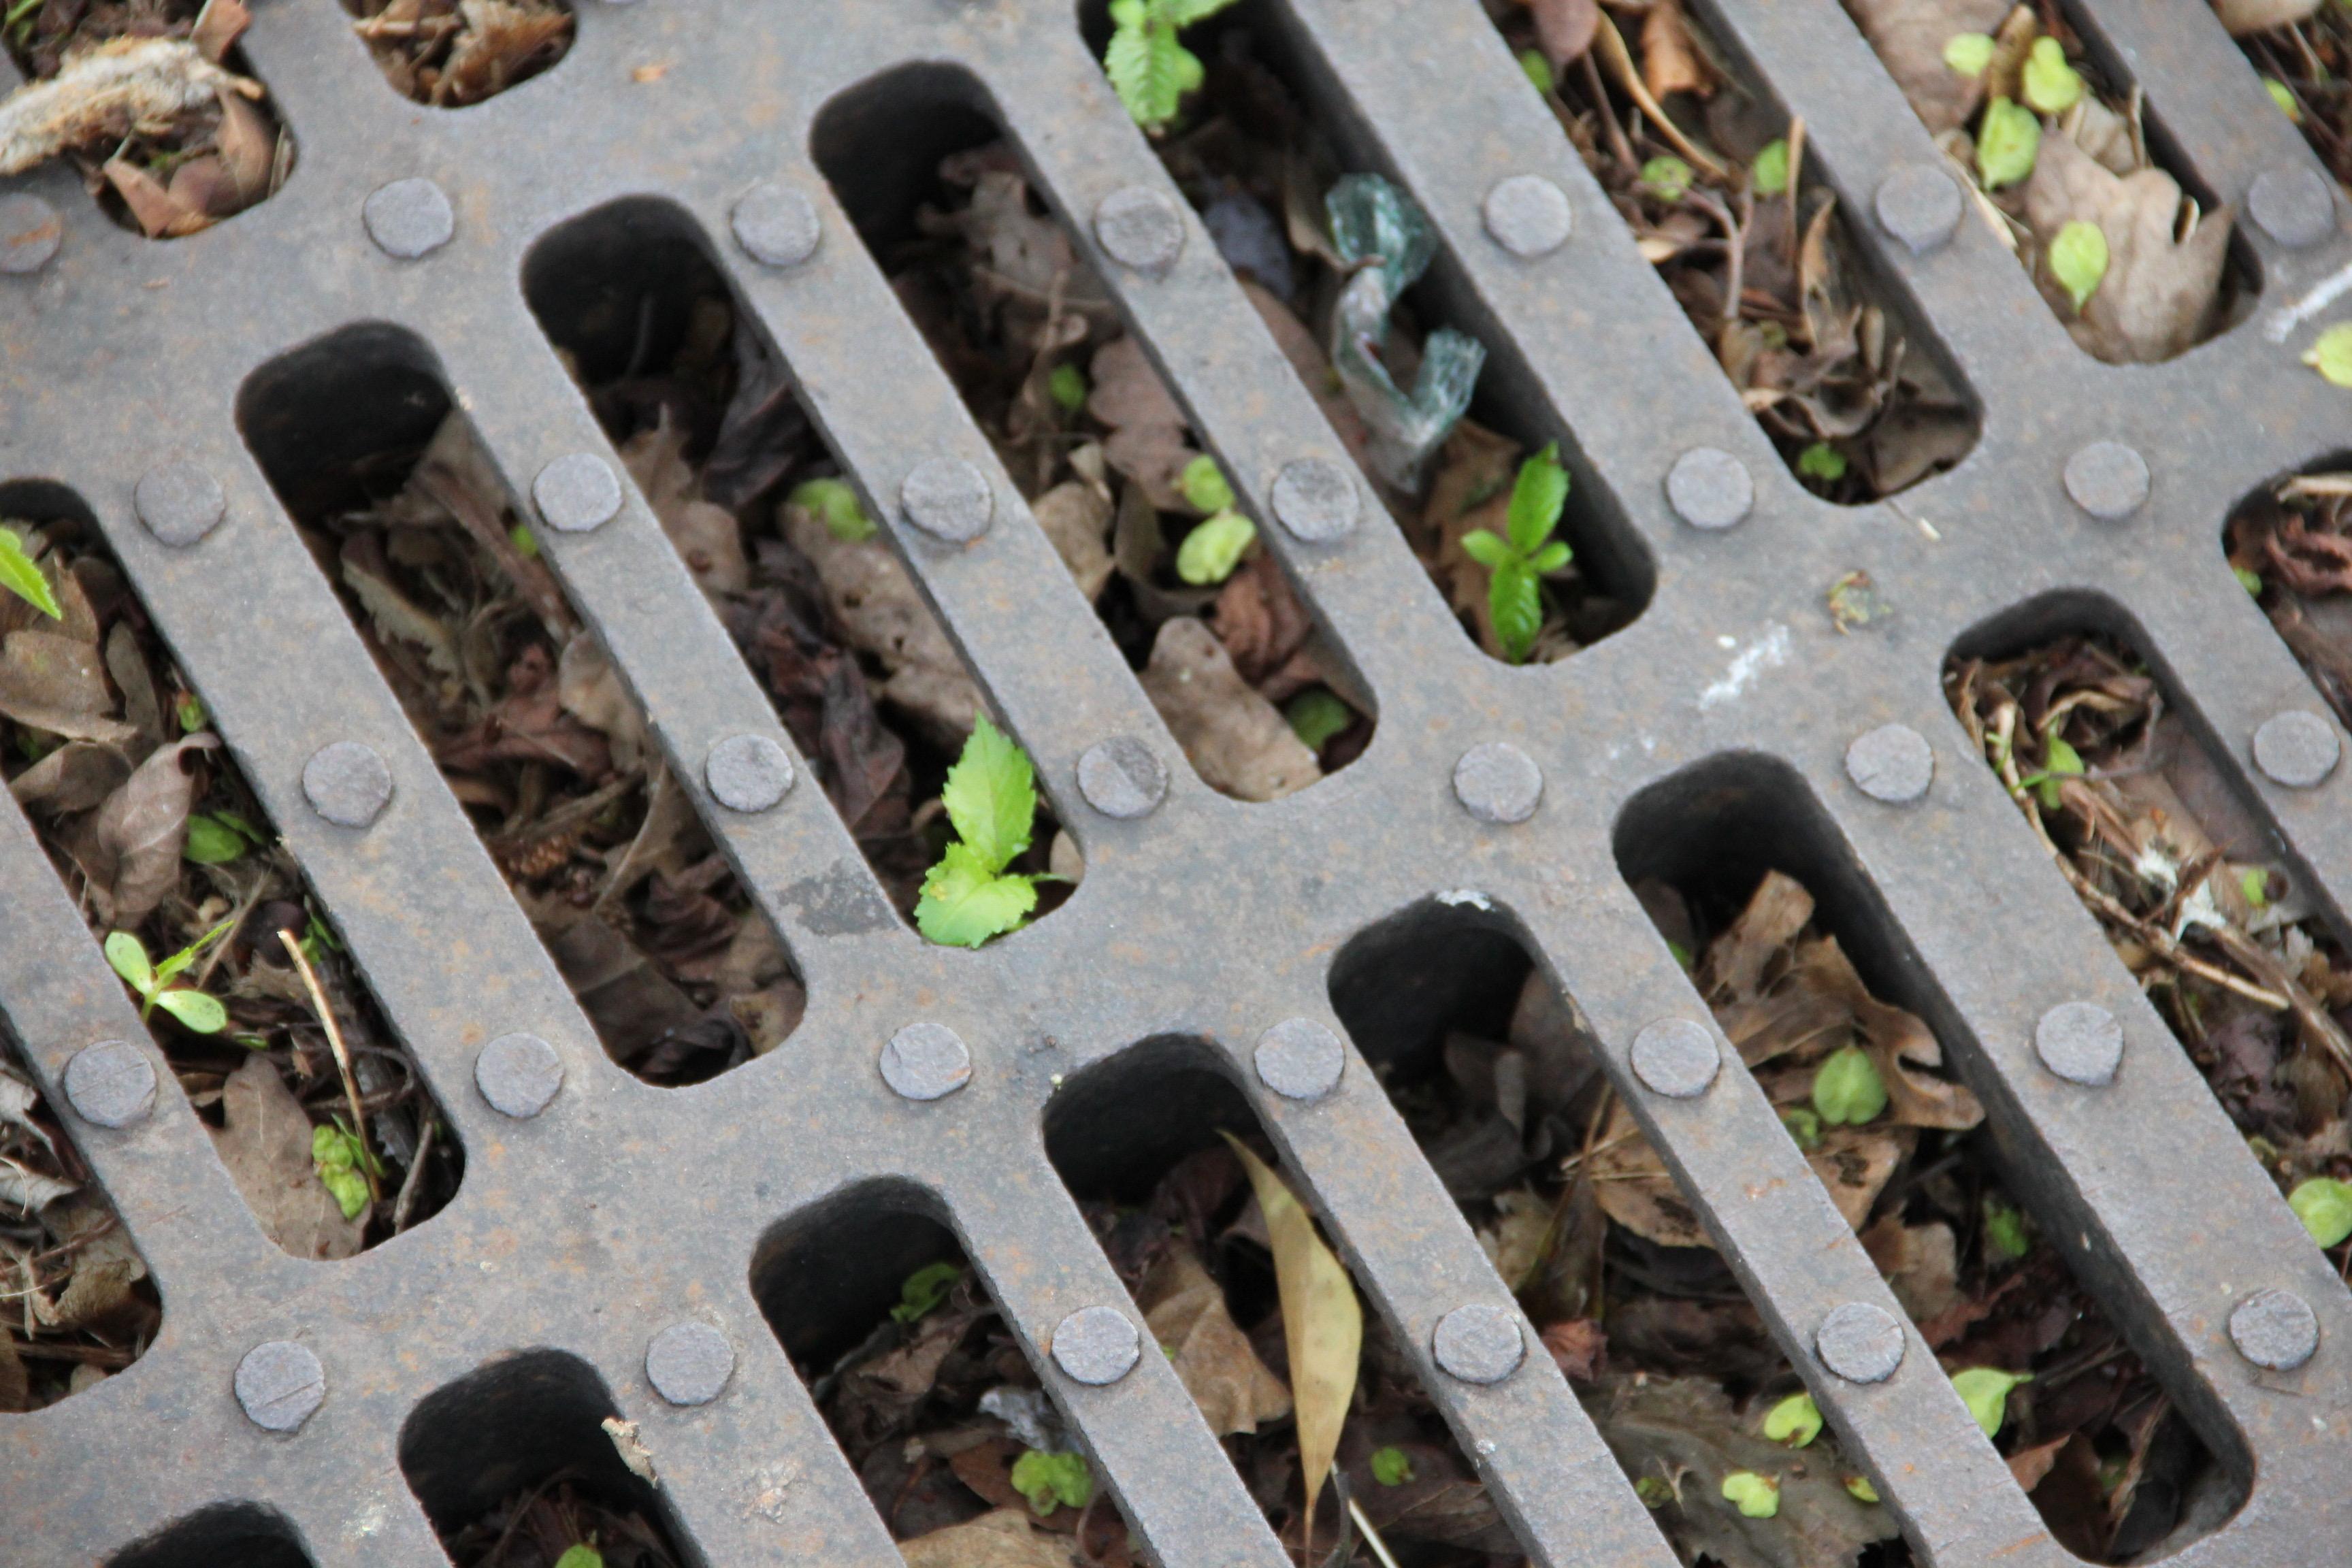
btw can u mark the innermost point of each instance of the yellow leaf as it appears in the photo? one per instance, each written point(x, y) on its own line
point(1321, 1321)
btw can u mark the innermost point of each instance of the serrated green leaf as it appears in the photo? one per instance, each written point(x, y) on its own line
point(579, 1554)
point(2324, 1207)
point(1847, 1089)
point(2049, 83)
point(2007, 142)
point(2331, 354)
point(1536, 497)
point(201, 1014)
point(1770, 170)
point(1050, 1480)
point(834, 504)
point(1067, 386)
point(991, 797)
point(1795, 1421)
point(1969, 53)
point(1391, 1467)
point(1758, 1497)
point(2006, 1231)
point(1184, 13)
point(1515, 605)
point(1148, 68)
point(128, 955)
point(1667, 177)
point(212, 842)
point(1316, 715)
point(2078, 260)
point(1203, 485)
point(1985, 1391)
point(964, 903)
point(22, 575)
point(924, 1290)
point(1821, 462)
point(1487, 548)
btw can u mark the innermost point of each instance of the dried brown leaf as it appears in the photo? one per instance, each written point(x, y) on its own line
point(53, 681)
point(885, 614)
point(1237, 741)
point(266, 1147)
point(1185, 1309)
point(1076, 517)
point(1670, 61)
point(1002, 1539)
point(1910, 35)
point(1564, 29)
point(2158, 291)
point(218, 26)
point(2243, 16)
point(138, 833)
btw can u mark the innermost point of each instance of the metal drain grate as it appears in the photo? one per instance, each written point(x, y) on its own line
point(613, 1234)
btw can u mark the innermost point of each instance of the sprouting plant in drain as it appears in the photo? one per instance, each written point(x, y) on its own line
point(1149, 69)
point(1517, 559)
point(1795, 1421)
point(1217, 544)
point(22, 577)
point(581, 1554)
point(1847, 1089)
point(2324, 1207)
point(202, 1013)
point(1050, 1480)
point(991, 798)
point(923, 1290)
point(344, 1164)
point(1985, 1390)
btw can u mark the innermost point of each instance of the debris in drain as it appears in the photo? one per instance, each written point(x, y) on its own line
point(167, 850)
point(990, 796)
point(2192, 892)
point(564, 1521)
point(2292, 548)
point(1713, 181)
point(450, 53)
point(148, 101)
point(2304, 49)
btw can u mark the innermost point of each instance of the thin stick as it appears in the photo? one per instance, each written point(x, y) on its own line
point(1372, 1537)
point(342, 1057)
point(407, 1199)
point(1620, 60)
point(1617, 142)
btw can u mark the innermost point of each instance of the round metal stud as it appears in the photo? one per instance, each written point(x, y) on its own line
point(1496, 782)
point(776, 225)
point(2295, 749)
point(111, 1084)
point(519, 1074)
point(30, 232)
point(1316, 501)
point(280, 1385)
point(2107, 479)
point(409, 218)
point(1140, 228)
point(1122, 777)
point(576, 492)
point(1478, 1343)
point(2081, 1042)
point(347, 783)
point(747, 773)
point(2274, 1329)
point(1097, 1345)
point(1299, 1058)
point(1892, 764)
point(1527, 216)
point(1710, 489)
point(1676, 1057)
point(1860, 1342)
point(948, 498)
point(689, 1363)
point(2294, 206)
point(179, 503)
point(926, 1061)
point(1920, 206)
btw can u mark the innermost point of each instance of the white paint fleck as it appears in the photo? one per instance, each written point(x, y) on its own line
point(1469, 895)
point(774, 1484)
point(2283, 323)
point(369, 1520)
point(1727, 643)
point(1770, 651)
point(633, 1452)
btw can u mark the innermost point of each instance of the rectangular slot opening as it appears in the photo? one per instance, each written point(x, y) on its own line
point(246, 1534)
point(2290, 544)
point(163, 844)
point(533, 730)
point(2307, 63)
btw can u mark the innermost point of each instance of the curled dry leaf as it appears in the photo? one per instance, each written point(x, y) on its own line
point(1670, 61)
point(1631, 1181)
point(1237, 741)
point(56, 682)
point(25, 1188)
point(1185, 1308)
point(105, 1267)
point(2159, 290)
point(266, 1147)
point(1910, 35)
point(1149, 439)
point(1565, 27)
point(884, 613)
point(1921, 1263)
point(590, 688)
point(137, 836)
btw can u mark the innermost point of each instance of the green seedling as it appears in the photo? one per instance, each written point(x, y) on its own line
point(1667, 177)
point(2249, 579)
point(2254, 884)
point(2324, 1207)
point(1517, 559)
point(1758, 1497)
point(1316, 715)
point(1770, 170)
point(1985, 1391)
point(1821, 462)
point(2078, 260)
point(1215, 548)
point(1803, 1125)
point(834, 504)
point(2331, 354)
point(1656, 1492)
point(1795, 1421)
point(2007, 142)
point(197, 1011)
point(1860, 1489)
point(1847, 1089)
point(580, 1554)
point(1538, 70)
point(1969, 53)
point(1149, 68)
point(525, 541)
point(2284, 96)
point(1067, 386)
point(1052, 1481)
point(343, 1165)
point(22, 575)
point(2050, 85)
point(923, 1290)
point(1203, 485)
point(991, 799)
point(1391, 1467)
point(2062, 762)
point(216, 839)
point(189, 711)
point(2006, 1232)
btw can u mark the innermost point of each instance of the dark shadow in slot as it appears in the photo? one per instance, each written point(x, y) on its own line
point(226, 1535)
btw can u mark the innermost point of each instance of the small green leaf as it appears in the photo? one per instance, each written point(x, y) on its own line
point(1758, 1497)
point(1067, 386)
point(2331, 354)
point(202, 1014)
point(2006, 1231)
point(188, 956)
point(1214, 548)
point(990, 796)
point(1391, 1467)
point(22, 575)
point(1803, 1123)
point(525, 541)
point(1486, 547)
point(1985, 1390)
point(1682, 955)
point(1655, 1491)
point(1149, 69)
point(1795, 1421)
point(335, 1154)
point(1052, 1481)
point(1516, 603)
point(1770, 170)
point(2250, 581)
point(2324, 1207)
point(2253, 882)
point(836, 506)
point(924, 1290)
point(1550, 558)
point(2063, 757)
point(2048, 82)
point(964, 903)
point(1847, 1090)
point(1821, 462)
point(1205, 487)
point(581, 1555)
point(1860, 1489)
point(1538, 70)
point(210, 841)
point(348, 1189)
point(2284, 96)
point(1667, 177)
point(1316, 715)
point(1536, 497)
point(128, 954)
point(2007, 141)
point(1969, 53)
point(2078, 258)
point(331, 1148)
point(191, 712)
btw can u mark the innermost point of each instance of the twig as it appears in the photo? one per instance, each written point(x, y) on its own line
point(1619, 147)
point(1796, 164)
point(342, 1058)
point(415, 1179)
point(1620, 60)
point(1372, 1537)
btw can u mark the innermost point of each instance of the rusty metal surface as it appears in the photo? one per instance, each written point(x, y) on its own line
point(624, 1209)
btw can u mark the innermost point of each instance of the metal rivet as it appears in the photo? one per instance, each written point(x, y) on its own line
point(111, 1084)
point(30, 232)
point(2295, 749)
point(1527, 216)
point(409, 218)
point(926, 1061)
point(576, 492)
point(1140, 228)
point(776, 225)
point(1710, 489)
point(1478, 1343)
point(179, 503)
point(347, 783)
point(2294, 206)
point(1316, 501)
point(1860, 1342)
point(1676, 1057)
point(1122, 777)
point(1920, 206)
point(1892, 764)
point(747, 773)
point(1097, 1345)
point(689, 1363)
point(948, 498)
point(2081, 1042)
point(2274, 1329)
point(519, 1074)
point(2107, 479)
point(1496, 782)
point(280, 1385)
point(1299, 1058)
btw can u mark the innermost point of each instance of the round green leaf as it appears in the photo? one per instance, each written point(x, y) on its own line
point(1770, 170)
point(1847, 1090)
point(2250, 581)
point(1391, 1467)
point(1067, 386)
point(2078, 258)
point(580, 1554)
point(1538, 68)
point(835, 505)
point(1205, 487)
point(2324, 1207)
point(210, 841)
point(1795, 1421)
point(2284, 96)
point(2048, 82)
point(1050, 1480)
point(2005, 1230)
point(1969, 53)
point(1214, 547)
point(128, 955)
point(1858, 1485)
point(349, 1187)
point(2331, 354)
point(1758, 1497)
point(1316, 715)
point(1821, 462)
point(201, 1012)
point(1803, 1125)
point(1656, 1492)
point(1985, 1391)
point(2007, 141)
point(1667, 177)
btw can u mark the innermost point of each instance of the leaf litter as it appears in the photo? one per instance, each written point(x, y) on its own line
point(2304, 49)
point(451, 53)
point(564, 1521)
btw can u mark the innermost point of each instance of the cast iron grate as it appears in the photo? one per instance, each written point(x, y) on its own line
point(586, 1235)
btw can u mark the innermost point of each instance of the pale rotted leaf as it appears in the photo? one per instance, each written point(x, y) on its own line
point(1921, 1263)
point(1515, 1243)
point(1632, 1186)
point(2158, 291)
point(1735, 964)
point(266, 1147)
point(56, 682)
point(887, 616)
point(1003, 1539)
point(705, 536)
point(1185, 1309)
point(1564, 29)
point(25, 1188)
point(1322, 1323)
point(457, 477)
point(1149, 439)
point(17, 1099)
point(105, 1265)
point(1237, 741)
point(74, 778)
point(99, 94)
point(396, 617)
point(142, 708)
point(162, 212)
point(590, 689)
point(1076, 517)
point(2243, 16)
point(138, 833)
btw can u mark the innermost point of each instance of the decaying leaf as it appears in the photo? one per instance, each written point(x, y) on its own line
point(102, 95)
point(30, 1189)
point(2159, 289)
point(1002, 1538)
point(1237, 741)
point(2243, 16)
point(266, 1145)
point(1910, 36)
point(885, 614)
point(1565, 27)
point(135, 839)
point(1075, 516)
point(1185, 1308)
point(1670, 62)
point(105, 1265)
point(707, 537)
